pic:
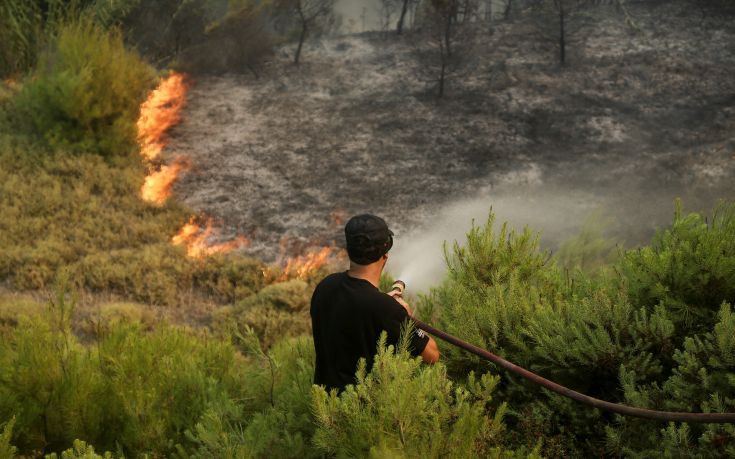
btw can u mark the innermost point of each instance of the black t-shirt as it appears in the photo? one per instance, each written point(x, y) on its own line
point(347, 317)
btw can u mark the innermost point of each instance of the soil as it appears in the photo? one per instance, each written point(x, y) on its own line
point(640, 115)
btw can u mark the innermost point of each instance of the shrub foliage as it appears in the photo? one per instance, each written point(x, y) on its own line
point(654, 335)
point(86, 92)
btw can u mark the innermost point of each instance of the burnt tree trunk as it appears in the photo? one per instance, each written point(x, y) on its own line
point(302, 36)
point(446, 54)
point(441, 79)
point(404, 9)
point(562, 35)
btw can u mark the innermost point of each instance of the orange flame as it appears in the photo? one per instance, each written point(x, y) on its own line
point(197, 243)
point(302, 267)
point(159, 112)
point(157, 185)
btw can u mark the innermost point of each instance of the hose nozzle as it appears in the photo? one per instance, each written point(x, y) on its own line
point(398, 286)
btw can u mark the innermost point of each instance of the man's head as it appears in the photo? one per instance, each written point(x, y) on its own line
point(368, 239)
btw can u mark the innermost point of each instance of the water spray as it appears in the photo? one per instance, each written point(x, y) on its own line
point(669, 416)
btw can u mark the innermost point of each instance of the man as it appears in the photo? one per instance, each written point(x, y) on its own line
point(348, 312)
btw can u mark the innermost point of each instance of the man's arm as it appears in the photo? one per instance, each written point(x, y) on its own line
point(430, 353)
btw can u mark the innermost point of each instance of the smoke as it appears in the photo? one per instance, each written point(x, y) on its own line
point(632, 208)
point(417, 257)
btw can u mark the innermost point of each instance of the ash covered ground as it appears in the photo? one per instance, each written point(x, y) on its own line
point(639, 117)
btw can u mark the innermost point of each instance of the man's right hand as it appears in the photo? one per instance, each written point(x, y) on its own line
point(396, 296)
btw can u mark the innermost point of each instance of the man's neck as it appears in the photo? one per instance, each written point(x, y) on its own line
point(370, 273)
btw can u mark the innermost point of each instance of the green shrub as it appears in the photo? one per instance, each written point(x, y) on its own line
point(703, 380)
point(689, 268)
point(607, 336)
point(20, 22)
point(230, 278)
point(6, 434)
point(405, 409)
point(589, 250)
point(276, 312)
point(86, 93)
point(275, 419)
point(80, 450)
point(127, 389)
point(152, 274)
point(27, 26)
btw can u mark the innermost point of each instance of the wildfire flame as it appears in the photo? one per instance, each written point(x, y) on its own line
point(197, 238)
point(304, 266)
point(157, 185)
point(160, 111)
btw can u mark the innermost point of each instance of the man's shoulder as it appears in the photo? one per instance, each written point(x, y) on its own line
point(332, 279)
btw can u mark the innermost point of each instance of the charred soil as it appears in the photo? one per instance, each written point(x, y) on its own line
point(640, 115)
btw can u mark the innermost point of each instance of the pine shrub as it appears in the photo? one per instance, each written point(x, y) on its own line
point(689, 268)
point(703, 380)
point(81, 450)
point(86, 93)
point(6, 434)
point(404, 409)
point(275, 419)
point(649, 335)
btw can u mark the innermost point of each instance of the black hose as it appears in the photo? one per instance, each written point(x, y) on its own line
point(669, 416)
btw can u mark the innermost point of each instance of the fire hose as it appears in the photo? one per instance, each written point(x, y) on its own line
point(668, 416)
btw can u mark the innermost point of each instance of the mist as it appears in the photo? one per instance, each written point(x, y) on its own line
point(630, 210)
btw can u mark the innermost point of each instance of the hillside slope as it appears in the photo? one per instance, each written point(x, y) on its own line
point(637, 118)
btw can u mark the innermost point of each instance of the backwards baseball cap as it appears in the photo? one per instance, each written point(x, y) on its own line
point(368, 238)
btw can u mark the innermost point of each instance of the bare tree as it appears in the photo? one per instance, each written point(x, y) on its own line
point(443, 44)
point(402, 16)
point(309, 14)
point(386, 10)
point(560, 21)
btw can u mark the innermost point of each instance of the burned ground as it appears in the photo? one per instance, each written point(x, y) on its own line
point(639, 116)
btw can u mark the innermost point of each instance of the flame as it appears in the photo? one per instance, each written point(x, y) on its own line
point(197, 243)
point(160, 111)
point(157, 185)
point(302, 267)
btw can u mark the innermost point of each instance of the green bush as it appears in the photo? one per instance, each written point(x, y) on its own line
point(589, 250)
point(405, 409)
point(81, 450)
point(20, 22)
point(86, 93)
point(6, 434)
point(127, 389)
point(276, 312)
point(689, 268)
point(607, 336)
point(275, 419)
point(703, 380)
point(230, 278)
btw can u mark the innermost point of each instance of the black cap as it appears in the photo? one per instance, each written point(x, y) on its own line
point(368, 238)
